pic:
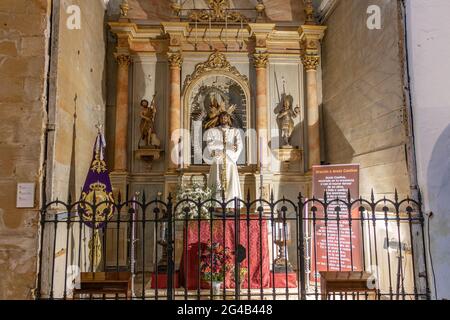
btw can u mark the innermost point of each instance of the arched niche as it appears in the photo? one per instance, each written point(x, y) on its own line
point(216, 77)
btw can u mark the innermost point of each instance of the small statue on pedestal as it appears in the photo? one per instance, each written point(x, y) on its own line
point(285, 119)
point(147, 125)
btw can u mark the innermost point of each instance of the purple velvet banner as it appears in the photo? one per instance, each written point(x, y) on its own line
point(97, 192)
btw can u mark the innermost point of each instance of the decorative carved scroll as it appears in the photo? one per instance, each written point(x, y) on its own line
point(218, 11)
point(217, 62)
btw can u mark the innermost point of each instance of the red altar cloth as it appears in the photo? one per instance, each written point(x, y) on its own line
point(256, 249)
point(161, 279)
point(278, 280)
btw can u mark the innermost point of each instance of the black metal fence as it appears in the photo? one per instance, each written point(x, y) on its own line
point(242, 249)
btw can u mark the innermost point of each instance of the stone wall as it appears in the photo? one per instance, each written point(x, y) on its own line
point(24, 30)
point(76, 98)
point(79, 97)
point(429, 49)
point(363, 99)
point(77, 107)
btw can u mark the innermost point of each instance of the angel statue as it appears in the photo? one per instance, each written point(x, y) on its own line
point(147, 125)
point(285, 119)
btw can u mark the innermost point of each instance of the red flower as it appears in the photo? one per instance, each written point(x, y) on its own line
point(215, 260)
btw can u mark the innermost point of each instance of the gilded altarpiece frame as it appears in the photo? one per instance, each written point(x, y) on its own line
point(216, 65)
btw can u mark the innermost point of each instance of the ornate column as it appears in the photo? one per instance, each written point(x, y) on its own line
point(120, 152)
point(176, 32)
point(261, 32)
point(310, 37)
point(262, 126)
point(175, 61)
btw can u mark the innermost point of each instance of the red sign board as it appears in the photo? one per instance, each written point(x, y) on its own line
point(335, 247)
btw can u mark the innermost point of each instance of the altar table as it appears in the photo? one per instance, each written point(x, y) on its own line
point(256, 248)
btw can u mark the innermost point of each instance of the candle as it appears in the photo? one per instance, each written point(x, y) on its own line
point(226, 31)
point(162, 231)
point(181, 155)
point(260, 151)
point(242, 33)
point(210, 35)
point(196, 34)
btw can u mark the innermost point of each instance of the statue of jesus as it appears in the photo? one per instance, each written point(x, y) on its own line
point(224, 146)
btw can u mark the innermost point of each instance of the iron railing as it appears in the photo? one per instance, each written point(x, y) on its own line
point(162, 243)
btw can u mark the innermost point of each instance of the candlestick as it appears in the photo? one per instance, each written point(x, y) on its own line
point(261, 178)
point(196, 34)
point(242, 34)
point(226, 32)
point(210, 35)
point(181, 155)
point(282, 238)
point(133, 243)
point(260, 151)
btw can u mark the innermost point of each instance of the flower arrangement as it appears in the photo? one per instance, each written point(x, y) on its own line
point(195, 192)
point(215, 262)
point(242, 275)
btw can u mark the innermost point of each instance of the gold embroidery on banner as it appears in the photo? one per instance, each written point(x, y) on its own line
point(103, 202)
point(98, 165)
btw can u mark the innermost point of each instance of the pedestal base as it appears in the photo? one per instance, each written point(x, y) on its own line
point(289, 154)
point(148, 154)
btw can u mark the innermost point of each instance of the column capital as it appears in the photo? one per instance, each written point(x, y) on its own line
point(175, 60)
point(260, 60)
point(123, 60)
point(310, 62)
point(310, 36)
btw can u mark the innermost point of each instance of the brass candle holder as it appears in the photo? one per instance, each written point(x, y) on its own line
point(163, 241)
point(282, 239)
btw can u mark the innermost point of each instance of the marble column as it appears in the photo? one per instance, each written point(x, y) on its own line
point(310, 36)
point(120, 150)
point(260, 60)
point(312, 109)
point(175, 62)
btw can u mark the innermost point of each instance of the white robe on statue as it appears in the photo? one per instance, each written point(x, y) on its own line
point(214, 156)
